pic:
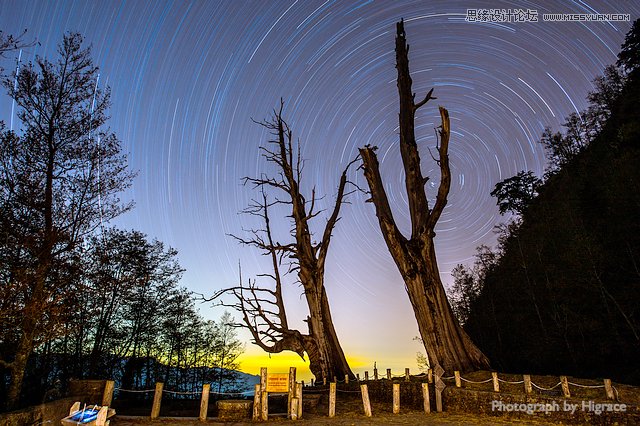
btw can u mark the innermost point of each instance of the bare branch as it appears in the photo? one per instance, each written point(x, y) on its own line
point(379, 197)
point(333, 219)
point(445, 172)
point(425, 100)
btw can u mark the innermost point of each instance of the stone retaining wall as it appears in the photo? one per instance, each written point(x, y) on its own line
point(50, 413)
point(47, 413)
point(559, 408)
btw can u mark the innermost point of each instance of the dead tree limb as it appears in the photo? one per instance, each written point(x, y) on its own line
point(445, 341)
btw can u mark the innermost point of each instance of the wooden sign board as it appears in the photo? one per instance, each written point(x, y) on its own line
point(278, 382)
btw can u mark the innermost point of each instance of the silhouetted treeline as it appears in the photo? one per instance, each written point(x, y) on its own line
point(561, 294)
point(78, 300)
point(129, 320)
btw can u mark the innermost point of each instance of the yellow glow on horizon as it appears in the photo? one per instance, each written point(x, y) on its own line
point(251, 362)
point(254, 358)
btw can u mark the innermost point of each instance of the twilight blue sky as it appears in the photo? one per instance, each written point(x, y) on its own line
point(188, 76)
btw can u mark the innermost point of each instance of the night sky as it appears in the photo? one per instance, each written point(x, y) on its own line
point(187, 77)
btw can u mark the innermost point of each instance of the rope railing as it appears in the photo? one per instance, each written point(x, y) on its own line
point(361, 389)
point(586, 386)
point(134, 390)
point(181, 393)
point(228, 393)
point(348, 391)
point(177, 392)
point(471, 381)
point(388, 375)
point(507, 381)
point(546, 389)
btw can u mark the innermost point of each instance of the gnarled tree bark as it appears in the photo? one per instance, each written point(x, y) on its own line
point(262, 309)
point(445, 341)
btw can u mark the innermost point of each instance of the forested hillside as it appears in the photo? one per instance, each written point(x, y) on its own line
point(561, 294)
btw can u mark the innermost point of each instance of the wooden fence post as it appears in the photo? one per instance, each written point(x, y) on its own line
point(332, 399)
point(292, 390)
point(527, 383)
point(324, 381)
point(375, 373)
point(407, 376)
point(346, 378)
point(264, 405)
point(565, 386)
point(430, 375)
point(299, 396)
point(263, 378)
point(264, 395)
point(388, 374)
point(609, 389)
point(365, 400)
point(456, 374)
point(425, 398)
point(157, 400)
point(366, 376)
point(438, 371)
point(396, 398)
point(496, 383)
point(107, 395)
point(293, 409)
point(204, 402)
point(257, 393)
point(313, 383)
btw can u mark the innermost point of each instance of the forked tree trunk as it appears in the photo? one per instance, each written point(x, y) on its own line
point(445, 341)
point(263, 309)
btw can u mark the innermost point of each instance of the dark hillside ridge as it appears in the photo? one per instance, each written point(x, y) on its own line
point(565, 296)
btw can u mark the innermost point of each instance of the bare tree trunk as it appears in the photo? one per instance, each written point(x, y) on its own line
point(326, 357)
point(263, 309)
point(36, 303)
point(19, 364)
point(29, 327)
point(445, 341)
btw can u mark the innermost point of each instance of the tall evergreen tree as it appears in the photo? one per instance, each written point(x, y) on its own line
point(60, 177)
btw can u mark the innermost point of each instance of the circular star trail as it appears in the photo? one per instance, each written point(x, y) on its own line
point(188, 77)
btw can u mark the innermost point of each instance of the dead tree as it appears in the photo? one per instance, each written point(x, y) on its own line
point(445, 341)
point(262, 309)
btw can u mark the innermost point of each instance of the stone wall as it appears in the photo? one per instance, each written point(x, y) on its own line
point(558, 408)
point(464, 400)
point(47, 413)
point(90, 390)
point(85, 391)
